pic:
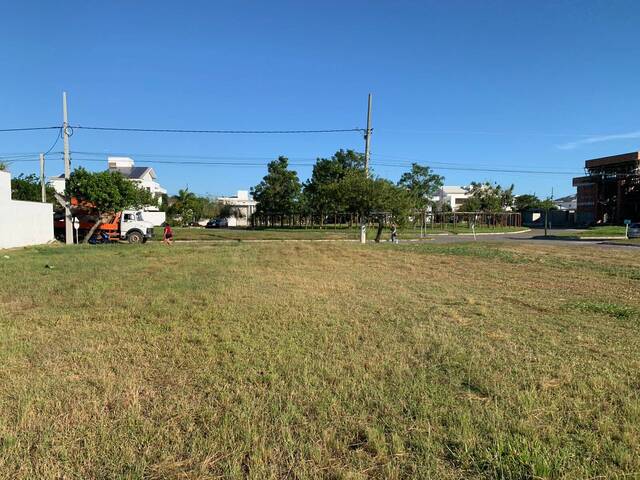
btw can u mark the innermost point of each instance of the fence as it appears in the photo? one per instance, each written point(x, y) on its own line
point(419, 220)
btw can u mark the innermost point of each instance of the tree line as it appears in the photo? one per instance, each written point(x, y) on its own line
point(337, 184)
point(340, 184)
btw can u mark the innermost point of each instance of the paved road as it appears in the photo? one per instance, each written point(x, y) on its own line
point(534, 236)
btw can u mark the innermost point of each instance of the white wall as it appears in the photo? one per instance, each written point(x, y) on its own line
point(23, 223)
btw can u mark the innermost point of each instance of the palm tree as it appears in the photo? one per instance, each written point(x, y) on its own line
point(183, 205)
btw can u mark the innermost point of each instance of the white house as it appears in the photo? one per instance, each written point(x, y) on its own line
point(569, 202)
point(243, 204)
point(451, 195)
point(23, 223)
point(144, 177)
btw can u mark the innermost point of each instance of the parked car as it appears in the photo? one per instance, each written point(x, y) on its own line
point(634, 230)
point(217, 223)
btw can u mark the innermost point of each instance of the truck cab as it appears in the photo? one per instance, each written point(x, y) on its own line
point(133, 228)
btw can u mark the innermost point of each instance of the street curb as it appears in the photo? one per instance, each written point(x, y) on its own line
point(602, 238)
point(496, 233)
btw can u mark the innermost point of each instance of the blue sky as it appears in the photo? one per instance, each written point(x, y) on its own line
point(457, 85)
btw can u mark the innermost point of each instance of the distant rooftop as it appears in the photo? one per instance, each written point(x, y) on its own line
point(125, 166)
point(133, 173)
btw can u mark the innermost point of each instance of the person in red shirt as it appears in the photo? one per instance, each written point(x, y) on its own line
point(167, 236)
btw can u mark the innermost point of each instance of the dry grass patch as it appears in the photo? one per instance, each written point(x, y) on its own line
point(319, 361)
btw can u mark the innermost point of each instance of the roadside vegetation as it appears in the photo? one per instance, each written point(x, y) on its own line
point(329, 360)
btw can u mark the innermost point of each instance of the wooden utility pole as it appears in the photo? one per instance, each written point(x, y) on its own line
point(68, 221)
point(43, 190)
point(367, 145)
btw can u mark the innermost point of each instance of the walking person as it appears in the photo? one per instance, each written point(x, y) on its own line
point(167, 236)
point(394, 233)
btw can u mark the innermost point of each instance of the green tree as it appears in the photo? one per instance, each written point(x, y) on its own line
point(421, 184)
point(279, 191)
point(377, 198)
point(3, 167)
point(547, 204)
point(108, 192)
point(321, 194)
point(27, 187)
point(212, 208)
point(527, 202)
point(184, 205)
point(487, 197)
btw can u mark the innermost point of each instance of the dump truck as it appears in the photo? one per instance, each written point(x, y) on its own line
point(126, 225)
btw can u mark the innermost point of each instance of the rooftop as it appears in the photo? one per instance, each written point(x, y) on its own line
point(624, 158)
point(134, 173)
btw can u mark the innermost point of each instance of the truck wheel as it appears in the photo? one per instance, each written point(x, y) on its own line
point(135, 237)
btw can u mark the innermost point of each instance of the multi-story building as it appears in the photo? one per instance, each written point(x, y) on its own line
point(243, 206)
point(452, 196)
point(610, 192)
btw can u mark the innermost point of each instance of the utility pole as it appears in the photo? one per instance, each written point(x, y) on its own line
point(367, 144)
point(546, 214)
point(367, 139)
point(43, 191)
point(68, 221)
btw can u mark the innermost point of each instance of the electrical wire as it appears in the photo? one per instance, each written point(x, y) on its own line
point(308, 164)
point(58, 137)
point(195, 157)
point(241, 132)
point(27, 129)
point(226, 161)
point(384, 162)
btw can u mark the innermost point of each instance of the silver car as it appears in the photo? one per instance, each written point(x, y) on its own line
point(634, 230)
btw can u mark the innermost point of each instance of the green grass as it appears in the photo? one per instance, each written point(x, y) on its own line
point(628, 241)
point(328, 233)
point(244, 234)
point(327, 360)
point(604, 231)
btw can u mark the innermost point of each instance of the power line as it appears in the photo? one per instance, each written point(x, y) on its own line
point(241, 132)
point(58, 137)
point(26, 129)
point(307, 164)
point(483, 132)
point(227, 161)
point(195, 157)
point(310, 164)
point(388, 162)
point(463, 166)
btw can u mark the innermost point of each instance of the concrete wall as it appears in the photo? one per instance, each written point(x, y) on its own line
point(23, 223)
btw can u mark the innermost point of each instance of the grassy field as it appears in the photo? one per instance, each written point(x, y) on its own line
point(328, 233)
point(604, 231)
point(328, 360)
point(627, 241)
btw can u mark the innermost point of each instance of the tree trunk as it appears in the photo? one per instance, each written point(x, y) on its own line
point(380, 227)
point(92, 230)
